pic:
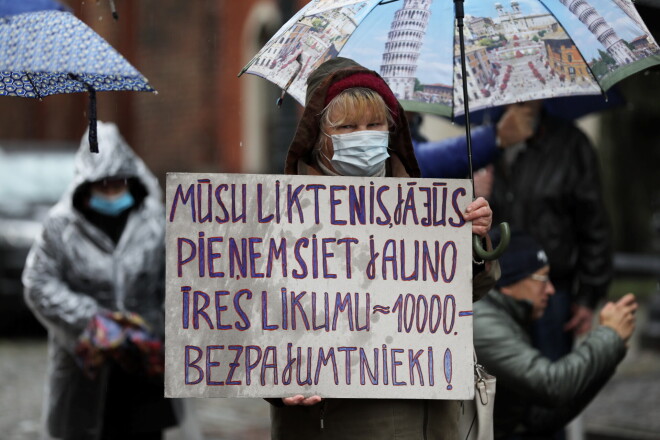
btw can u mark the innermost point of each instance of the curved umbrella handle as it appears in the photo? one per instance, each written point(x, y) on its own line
point(477, 247)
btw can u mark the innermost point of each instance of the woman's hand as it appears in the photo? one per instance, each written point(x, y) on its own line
point(299, 399)
point(481, 215)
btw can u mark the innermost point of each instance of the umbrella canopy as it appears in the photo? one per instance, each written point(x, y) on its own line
point(11, 7)
point(565, 107)
point(519, 51)
point(48, 52)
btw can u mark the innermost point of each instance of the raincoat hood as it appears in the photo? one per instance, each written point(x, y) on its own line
point(114, 159)
point(318, 84)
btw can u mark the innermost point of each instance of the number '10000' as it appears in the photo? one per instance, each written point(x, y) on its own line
point(418, 312)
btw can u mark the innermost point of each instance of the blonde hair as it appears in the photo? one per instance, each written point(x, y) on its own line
point(349, 104)
point(356, 101)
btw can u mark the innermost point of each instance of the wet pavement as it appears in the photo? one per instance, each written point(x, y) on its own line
point(626, 409)
point(22, 369)
point(22, 373)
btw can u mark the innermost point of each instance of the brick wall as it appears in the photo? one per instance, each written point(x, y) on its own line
point(175, 42)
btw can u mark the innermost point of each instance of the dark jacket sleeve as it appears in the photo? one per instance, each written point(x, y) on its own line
point(594, 259)
point(517, 365)
point(541, 419)
point(448, 158)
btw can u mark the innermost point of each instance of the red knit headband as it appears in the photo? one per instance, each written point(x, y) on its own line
point(366, 80)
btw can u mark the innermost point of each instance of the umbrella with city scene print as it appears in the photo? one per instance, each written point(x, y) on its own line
point(446, 57)
point(514, 50)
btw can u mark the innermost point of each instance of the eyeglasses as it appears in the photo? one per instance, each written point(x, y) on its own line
point(541, 278)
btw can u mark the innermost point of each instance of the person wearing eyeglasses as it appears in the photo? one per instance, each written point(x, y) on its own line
point(537, 396)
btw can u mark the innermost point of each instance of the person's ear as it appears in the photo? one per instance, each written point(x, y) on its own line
point(506, 290)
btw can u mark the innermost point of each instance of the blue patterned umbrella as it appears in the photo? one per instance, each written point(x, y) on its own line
point(9, 7)
point(48, 52)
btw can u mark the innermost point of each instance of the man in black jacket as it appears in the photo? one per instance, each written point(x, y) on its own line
point(545, 181)
point(536, 395)
point(549, 185)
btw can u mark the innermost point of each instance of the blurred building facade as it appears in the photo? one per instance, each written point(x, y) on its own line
point(204, 118)
point(207, 119)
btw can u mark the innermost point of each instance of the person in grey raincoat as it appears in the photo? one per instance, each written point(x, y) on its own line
point(101, 250)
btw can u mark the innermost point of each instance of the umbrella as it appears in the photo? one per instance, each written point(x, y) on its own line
point(48, 52)
point(519, 51)
point(11, 7)
point(444, 57)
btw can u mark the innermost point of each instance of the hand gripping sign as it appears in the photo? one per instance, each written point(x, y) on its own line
point(332, 286)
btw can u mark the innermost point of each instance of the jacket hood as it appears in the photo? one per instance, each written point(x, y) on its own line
point(308, 129)
point(114, 159)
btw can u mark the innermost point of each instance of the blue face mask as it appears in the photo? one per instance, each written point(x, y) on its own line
point(111, 206)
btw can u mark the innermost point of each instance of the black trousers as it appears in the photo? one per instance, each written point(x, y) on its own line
point(135, 407)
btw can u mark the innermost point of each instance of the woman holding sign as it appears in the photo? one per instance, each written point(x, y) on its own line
point(353, 125)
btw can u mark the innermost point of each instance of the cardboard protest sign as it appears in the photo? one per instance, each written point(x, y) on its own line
point(332, 286)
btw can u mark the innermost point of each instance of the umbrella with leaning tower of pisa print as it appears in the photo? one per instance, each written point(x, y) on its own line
point(447, 57)
point(515, 51)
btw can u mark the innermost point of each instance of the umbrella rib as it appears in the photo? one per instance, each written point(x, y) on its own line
point(113, 8)
point(34, 86)
point(293, 77)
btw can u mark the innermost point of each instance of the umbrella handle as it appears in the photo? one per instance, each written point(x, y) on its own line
point(477, 247)
point(113, 9)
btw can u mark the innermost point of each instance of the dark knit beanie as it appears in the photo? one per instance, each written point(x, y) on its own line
point(523, 257)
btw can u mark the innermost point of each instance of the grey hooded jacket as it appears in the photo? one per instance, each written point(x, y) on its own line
point(74, 270)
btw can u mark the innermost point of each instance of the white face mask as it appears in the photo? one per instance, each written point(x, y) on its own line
point(361, 153)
